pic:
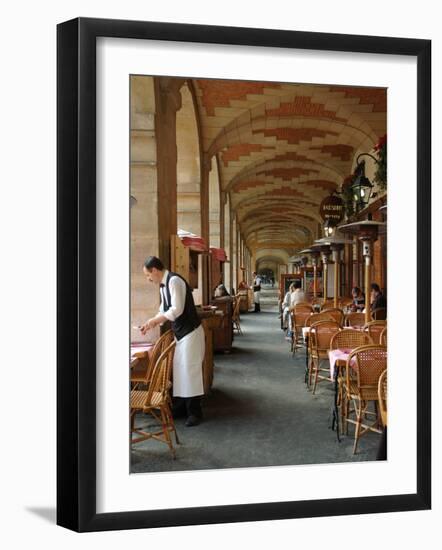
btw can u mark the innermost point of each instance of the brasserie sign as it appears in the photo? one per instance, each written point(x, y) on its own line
point(332, 208)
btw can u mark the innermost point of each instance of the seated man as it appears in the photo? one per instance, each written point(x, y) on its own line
point(298, 295)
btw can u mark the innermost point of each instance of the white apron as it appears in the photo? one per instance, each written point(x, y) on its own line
point(188, 364)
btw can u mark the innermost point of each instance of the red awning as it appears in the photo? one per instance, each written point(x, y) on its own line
point(219, 254)
point(194, 243)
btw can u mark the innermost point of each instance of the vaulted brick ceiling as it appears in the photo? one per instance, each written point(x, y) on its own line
point(283, 147)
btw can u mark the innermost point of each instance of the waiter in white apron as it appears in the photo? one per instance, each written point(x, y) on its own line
point(256, 291)
point(177, 306)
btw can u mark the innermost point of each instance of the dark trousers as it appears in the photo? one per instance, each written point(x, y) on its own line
point(382, 449)
point(187, 406)
point(257, 307)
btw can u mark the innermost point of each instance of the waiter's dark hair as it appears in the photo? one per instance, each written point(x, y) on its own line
point(153, 261)
point(375, 287)
point(297, 283)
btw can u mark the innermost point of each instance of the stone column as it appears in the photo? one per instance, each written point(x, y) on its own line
point(168, 102)
point(205, 224)
point(222, 203)
point(232, 251)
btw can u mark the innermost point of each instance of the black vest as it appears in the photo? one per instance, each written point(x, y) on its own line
point(188, 320)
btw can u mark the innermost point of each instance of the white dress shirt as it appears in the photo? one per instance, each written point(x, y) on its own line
point(297, 296)
point(177, 288)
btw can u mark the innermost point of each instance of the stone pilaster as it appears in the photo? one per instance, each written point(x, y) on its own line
point(168, 102)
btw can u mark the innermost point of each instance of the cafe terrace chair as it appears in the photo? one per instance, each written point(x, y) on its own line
point(345, 302)
point(156, 402)
point(300, 313)
point(374, 329)
point(320, 336)
point(141, 374)
point(236, 315)
point(315, 317)
point(382, 397)
point(363, 369)
point(379, 314)
point(336, 313)
point(355, 319)
point(348, 339)
point(383, 337)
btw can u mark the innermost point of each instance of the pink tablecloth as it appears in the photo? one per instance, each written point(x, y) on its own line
point(139, 350)
point(337, 355)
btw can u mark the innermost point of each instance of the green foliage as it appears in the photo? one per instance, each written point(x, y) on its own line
point(347, 197)
point(380, 176)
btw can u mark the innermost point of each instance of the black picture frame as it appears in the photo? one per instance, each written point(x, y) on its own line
point(76, 273)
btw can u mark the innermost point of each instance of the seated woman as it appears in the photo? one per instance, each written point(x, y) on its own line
point(358, 299)
point(377, 299)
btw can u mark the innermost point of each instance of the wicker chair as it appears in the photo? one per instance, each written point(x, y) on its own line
point(382, 397)
point(345, 302)
point(141, 374)
point(156, 401)
point(364, 367)
point(383, 337)
point(336, 314)
point(315, 317)
point(319, 343)
point(327, 304)
point(303, 305)
point(301, 312)
point(236, 315)
point(374, 329)
point(379, 314)
point(348, 339)
point(355, 319)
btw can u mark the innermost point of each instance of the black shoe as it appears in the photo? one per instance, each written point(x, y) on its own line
point(192, 421)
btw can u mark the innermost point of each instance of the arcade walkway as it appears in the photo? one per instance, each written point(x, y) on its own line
point(259, 412)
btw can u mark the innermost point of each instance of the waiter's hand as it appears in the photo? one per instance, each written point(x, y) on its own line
point(150, 324)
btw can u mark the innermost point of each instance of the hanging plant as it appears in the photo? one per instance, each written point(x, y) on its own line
point(347, 196)
point(380, 176)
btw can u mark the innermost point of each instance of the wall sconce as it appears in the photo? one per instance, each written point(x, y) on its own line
point(361, 187)
point(329, 228)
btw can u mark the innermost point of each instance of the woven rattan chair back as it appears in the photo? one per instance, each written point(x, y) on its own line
point(299, 318)
point(315, 317)
point(335, 313)
point(355, 319)
point(302, 306)
point(345, 302)
point(371, 361)
point(379, 314)
point(374, 329)
point(382, 396)
point(349, 339)
point(321, 334)
point(161, 373)
point(143, 376)
point(383, 337)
